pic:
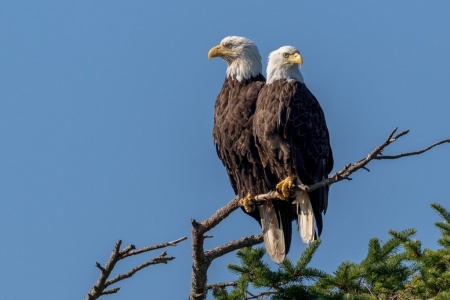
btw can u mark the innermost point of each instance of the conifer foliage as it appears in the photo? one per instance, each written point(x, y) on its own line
point(396, 269)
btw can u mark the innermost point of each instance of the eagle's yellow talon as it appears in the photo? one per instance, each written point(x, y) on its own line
point(247, 202)
point(284, 188)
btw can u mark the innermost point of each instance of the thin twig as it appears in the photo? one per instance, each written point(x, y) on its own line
point(127, 249)
point(221, 285)
point(220, 214)
point(155, 247)
point(367, 287)
point(381, 156)
point(160, 259)
point(268, 293)
point(111, 291)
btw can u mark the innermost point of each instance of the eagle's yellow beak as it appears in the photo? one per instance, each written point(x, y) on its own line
point(217, 51)
point(295, 58)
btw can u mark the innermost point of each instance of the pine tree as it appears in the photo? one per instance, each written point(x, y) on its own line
point(396, 269)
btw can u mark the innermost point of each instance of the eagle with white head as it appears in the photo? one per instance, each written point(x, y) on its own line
point(235, 143)
point(292, 139)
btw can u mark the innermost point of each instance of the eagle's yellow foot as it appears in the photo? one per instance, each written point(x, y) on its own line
point(247, 202)
point(285, 188)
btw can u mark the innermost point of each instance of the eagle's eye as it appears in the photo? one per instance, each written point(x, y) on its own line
point(229, 46)
point(286, 55)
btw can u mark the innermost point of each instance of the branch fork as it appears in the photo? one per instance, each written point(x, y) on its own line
point(103, 283)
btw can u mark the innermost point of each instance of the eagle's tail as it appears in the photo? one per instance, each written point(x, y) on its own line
point(276, 223)
point(305, 215)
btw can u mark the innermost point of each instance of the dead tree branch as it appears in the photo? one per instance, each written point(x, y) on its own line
point(260, 295)
point(221, 250)
point(221, 285)
point(349, 169)
point(382, 156)
point(202, 259)
point(101, 286)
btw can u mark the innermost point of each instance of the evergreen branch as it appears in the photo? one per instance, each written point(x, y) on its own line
point(444, 241)
point(288, 266)
point(390, 247)
point(396, 269)
point(445, 227)
point(445, 214)
point(307, 254)
point(404, 235)
point(370, 291)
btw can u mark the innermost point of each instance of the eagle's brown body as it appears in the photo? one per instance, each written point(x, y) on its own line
point(293, 140)
point(233, 134)
point(235, 144)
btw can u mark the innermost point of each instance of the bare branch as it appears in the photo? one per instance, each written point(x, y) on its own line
point(413, 152)
point(368, 288)
point(220, 214)
point(155, 247)
point(127, 249)
point(268, 293)
point(221, 250)
point(98, 265)
point(221, 285)
point(99, 289)
point(111, 291)
point(349, 169)
point(160, 259)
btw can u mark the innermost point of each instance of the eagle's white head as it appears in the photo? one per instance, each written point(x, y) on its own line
point(283, 63)
point(241, 55)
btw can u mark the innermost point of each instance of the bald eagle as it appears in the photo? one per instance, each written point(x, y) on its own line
point(292, 139)
point(235, 143)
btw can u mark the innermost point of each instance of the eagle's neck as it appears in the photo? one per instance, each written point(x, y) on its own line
point(245, 67)
point(275, 72)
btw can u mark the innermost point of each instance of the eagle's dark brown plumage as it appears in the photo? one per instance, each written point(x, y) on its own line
point(233, 134)
point(235, 144)
point(291, 133)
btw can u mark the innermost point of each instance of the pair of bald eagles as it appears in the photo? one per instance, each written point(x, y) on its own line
point(270, 135)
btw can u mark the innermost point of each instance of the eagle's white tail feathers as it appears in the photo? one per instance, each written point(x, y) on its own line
point(272, 232)
point(305, 216)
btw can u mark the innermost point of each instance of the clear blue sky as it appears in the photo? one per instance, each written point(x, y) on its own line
point(106, 111)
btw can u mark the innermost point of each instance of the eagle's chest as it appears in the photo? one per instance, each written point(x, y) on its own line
point(233, 109)
point(232, 121)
